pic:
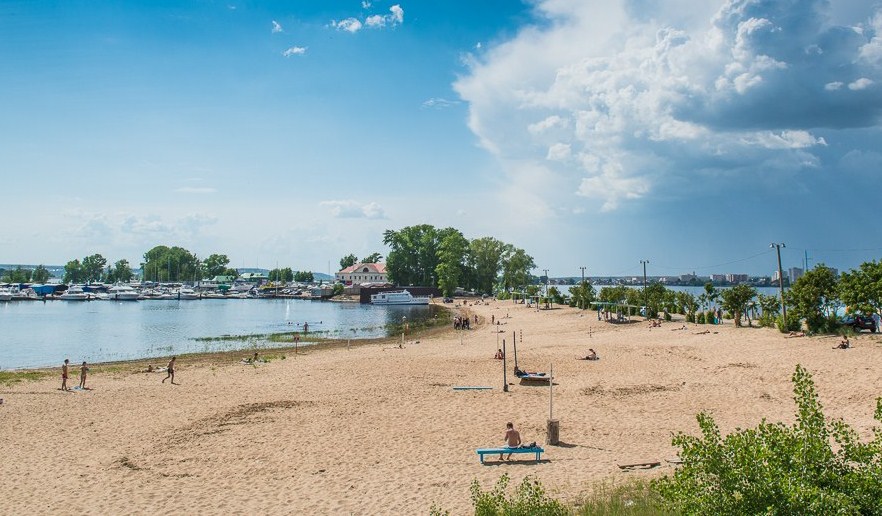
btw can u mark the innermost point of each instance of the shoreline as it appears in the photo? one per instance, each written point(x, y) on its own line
point(202, 357)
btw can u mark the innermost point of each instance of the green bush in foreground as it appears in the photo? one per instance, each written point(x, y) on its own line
point(779, 469)
point(529, 499)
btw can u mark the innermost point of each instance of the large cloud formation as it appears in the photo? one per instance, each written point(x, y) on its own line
point(615, 101)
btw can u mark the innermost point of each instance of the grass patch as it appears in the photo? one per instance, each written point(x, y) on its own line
point(635, 497)
point(442, 318)
point(8, 378)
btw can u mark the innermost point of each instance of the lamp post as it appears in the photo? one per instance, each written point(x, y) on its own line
point(780, 279)
point(645, 303)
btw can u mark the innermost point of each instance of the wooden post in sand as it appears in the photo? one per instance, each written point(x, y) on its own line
point(504, 366)
point(553, 425)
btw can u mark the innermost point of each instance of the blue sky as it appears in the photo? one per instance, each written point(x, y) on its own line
point(685, 132)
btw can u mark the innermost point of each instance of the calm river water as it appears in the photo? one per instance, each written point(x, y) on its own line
point(37, 334)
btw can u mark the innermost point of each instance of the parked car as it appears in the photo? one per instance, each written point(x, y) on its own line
point(860, 322)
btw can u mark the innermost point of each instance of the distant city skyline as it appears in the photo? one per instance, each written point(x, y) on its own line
point(683, 132)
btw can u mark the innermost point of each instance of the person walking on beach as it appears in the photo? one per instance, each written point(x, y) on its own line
point(84, 369)
point(64, 375)
point(171, 371)
point(512, 439)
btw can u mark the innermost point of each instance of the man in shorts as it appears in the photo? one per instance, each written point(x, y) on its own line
point(64, 375)
point(512, 439)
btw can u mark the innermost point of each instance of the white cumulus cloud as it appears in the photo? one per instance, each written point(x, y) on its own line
point(616, 104)
point(277, 27)
point(294, 51)
point(352, 25)
point(373, 21)
point(349, 209)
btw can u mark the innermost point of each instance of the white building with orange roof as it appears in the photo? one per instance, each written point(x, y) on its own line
point(362, 273)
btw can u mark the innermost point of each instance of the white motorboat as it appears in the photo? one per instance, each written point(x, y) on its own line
point(188, 293)
point(398, 297)
point(74, 293)
point(5, 294)
point(122, 293)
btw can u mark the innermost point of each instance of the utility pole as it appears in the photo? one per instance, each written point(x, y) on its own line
point(582, 286)
point(645, 303)
point(781, 279)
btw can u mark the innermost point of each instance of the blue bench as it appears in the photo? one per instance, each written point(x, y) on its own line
point(505, 451)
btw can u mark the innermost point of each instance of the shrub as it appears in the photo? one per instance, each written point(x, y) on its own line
point(786, 326)
point(690, 318)
point(700, 318)
point(778, 469)
point(528, 499)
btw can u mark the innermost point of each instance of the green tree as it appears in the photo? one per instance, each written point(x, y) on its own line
point(813, 297)
point(736, 299)
point(485, 259)
point(40, 274)
point(414, 254)
point(93, 267)
point(120, 272)
point(73, 272)
point(582, 295)
point(770, 307)
point(861, 289)
point(689, 304)
point(516, 267)
point(285, 275)
point(216, 265)
point(778, 469)
point(164, 264)
point(452, 254)
point(372, 258)
point(655, 297)
point(17, 275)
point(303, 277)
point(348, 261)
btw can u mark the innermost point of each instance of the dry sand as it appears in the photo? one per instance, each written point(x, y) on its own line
point(379, 430)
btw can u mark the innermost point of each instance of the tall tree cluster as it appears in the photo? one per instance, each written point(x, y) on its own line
point(444, 258)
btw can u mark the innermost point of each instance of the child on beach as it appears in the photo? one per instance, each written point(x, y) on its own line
point(83, 371)
point(171, 371)
point(64, 375)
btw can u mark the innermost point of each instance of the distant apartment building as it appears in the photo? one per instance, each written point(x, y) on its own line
point(794, 273)
point(718, 278)
point(736, 278)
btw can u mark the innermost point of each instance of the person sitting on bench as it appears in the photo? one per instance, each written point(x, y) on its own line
point(512, 439)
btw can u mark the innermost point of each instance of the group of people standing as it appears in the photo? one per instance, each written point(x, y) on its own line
point(84, 371)
point(463, 322)
point(65, 375)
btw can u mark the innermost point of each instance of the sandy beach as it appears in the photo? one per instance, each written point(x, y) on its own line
point(379, 430)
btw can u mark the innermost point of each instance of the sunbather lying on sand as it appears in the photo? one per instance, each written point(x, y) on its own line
point(796, 334)
point(592, 355)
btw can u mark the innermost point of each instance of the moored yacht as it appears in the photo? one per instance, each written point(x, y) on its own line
point(121, 292)
point(398, 297)
point(74, 293)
